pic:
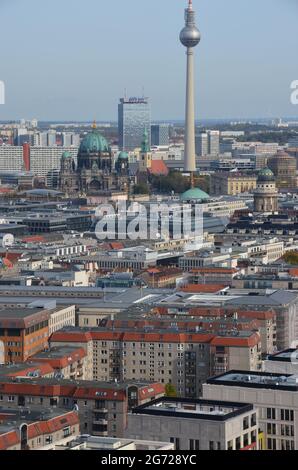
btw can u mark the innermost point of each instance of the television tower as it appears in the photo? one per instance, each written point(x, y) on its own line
point(190, 37)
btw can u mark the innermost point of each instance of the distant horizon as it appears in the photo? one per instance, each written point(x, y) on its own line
point(157, 121)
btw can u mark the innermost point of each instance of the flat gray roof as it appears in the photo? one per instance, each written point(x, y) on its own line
point(253, 379)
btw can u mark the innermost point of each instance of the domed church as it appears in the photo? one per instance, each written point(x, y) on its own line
point(94, 172)
point(266, 194)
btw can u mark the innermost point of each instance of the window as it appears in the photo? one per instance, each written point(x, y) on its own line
point(66, 432)
point(253, 420)
point(230, 445)
point(176, 441)
point(286, 415)
point(246, 423)
point(271, 428)
point(271, 413)
point(271, 444)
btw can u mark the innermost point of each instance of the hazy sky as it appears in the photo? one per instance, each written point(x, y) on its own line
point(72, 59)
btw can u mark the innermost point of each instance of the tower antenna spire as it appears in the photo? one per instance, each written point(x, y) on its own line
point(190, 38)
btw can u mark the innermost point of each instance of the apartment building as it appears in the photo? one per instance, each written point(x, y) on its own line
point(266, 320)
point(275, 397)
point(68, 362)
point(199, 274)
point(23, 332)
point(102, 406)
point(36, 430)
point(182, 357)
point(60, 317)
point(196, 424)
point(284, 303)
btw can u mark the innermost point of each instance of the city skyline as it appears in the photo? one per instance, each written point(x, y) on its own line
point(68, 77)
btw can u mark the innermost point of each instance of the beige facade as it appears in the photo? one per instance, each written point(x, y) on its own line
point(231, 184)
point(62, 316)
point(181, 358)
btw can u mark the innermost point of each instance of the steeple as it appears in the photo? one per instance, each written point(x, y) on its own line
point(94, 125)
point(145, 143)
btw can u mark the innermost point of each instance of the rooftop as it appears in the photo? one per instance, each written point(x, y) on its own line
point(264, 380)
point(193, 409)
point(288, 355)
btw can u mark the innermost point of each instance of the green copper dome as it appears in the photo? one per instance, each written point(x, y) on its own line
point(194, 194)
point(94, 143)
point(266, 175)
point(66, 155)
point(123, 156)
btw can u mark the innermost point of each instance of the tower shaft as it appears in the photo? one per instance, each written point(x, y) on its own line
point(190, 154)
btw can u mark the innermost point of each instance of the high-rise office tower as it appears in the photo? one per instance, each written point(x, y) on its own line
point(190, 37)
point(52, 138)
point(202, 144)
point(207, 144)
point(134, 117)
point(160, 134)
point(66, 139)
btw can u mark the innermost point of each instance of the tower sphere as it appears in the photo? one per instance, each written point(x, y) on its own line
point(190, 36)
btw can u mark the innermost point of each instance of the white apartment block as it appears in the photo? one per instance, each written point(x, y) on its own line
point(195, 425)
point(11, 158)
point(45, 159)
point(61, 317)
point(274, 395)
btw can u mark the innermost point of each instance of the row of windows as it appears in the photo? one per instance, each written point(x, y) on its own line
point(37, 327)
point(283, 415)
point(151, 345)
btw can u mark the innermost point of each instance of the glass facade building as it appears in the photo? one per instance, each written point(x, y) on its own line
point(134, 116)
point(160, 134)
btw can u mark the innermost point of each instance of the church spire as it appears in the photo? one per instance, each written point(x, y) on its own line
point(145, 142)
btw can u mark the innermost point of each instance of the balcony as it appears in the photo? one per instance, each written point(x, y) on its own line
point(102, 421)
point(102, 409)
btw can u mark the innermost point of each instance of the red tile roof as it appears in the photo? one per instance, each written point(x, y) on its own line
point(9, 440)
point(62, 362)
point(74, 337)
point(158, 168)
point(116, 246)
point(250, 342)
point(52, 425)
point(44, 369)
point(33, 238)
point(205, 288)
point(293, 272)
point(215, 270)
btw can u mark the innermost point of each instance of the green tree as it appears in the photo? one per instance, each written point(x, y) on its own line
point(170, 390)
point(291, 257)
point(141, 188)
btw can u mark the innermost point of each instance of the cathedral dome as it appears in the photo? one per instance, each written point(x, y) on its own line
point(194, 194)
point(94, 143)
point(266, 175)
